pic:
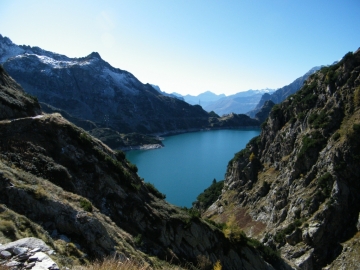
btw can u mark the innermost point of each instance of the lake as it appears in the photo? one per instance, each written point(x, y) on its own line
point(189, 162)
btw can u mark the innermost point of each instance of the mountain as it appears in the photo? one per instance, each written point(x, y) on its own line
point(86, 201)
point(157, 88)
point(282, 93)
point(90, 89)
point(263, 113)
point(239, 103)
point(202, 99)
point(296, 186)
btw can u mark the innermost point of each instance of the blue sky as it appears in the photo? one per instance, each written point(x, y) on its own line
point(192, 46)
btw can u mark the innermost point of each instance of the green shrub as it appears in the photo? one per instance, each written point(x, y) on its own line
point(211, 194)
point(133, 167)
point(336, 136)
point(138, 240)
point(86, 205)
point(85, 139)
point(312, 141)
point(280, 235)
point(153, 190)
point(356, 128)
point(319, 120)
point(120, 155)
point(301, 116)
point(267, 253)
point(275, 111)
point(325, 182)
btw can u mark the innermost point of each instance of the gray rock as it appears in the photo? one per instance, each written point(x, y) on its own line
point(12, 264)
point(30, 242)
point(20, 250)
point(5, 254)
point(43, 262)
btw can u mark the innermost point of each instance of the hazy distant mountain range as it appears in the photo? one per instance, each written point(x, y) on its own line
point(221, 104)
point(248, 102)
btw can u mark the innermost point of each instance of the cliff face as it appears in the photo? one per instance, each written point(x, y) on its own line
point(14, 103)
point(62, 185)
point(296, 186)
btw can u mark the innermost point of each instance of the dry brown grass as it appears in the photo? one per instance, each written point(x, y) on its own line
point(112, 263)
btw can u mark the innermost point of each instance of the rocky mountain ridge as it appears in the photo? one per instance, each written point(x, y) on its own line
point(295, 187)
point(90, 89)
point(86, 201)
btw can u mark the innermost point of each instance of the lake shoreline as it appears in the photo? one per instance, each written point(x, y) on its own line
point(190, 162)
point(177, 132)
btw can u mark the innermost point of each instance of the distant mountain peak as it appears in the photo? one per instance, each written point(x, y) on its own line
point(94, 55)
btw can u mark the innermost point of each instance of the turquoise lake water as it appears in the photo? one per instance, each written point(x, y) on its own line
point(189, 162)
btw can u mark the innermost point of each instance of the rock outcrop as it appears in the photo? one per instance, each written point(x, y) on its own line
point(86, 201)
point(295, 187)
point(27, 253)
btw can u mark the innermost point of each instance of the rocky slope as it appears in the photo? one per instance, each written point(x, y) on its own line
point(89, 88)
point(86, 201)
point(296, 186)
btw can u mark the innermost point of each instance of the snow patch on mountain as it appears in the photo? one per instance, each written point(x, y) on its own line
point(60, 64)
point(120, 79)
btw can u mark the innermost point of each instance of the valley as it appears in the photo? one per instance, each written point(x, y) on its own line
point(289, 199)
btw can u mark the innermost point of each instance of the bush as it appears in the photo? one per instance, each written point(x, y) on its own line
point(133, 168)
point(313, 141)
point(252, 157)
point(120, 155)
point(325, 182)
point(86, 205)
point(319, 120)
point(211, 194)
point(85, 139)
point(275, 111)
point(280, 235)
point(336, 136)
point(356, 128)
point(153, 190)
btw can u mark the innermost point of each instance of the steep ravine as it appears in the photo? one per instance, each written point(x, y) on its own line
point(296, 186)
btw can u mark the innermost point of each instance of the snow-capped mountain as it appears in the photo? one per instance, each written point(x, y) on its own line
point(90, 88)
